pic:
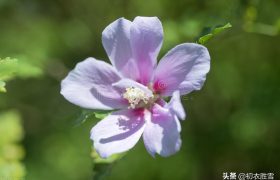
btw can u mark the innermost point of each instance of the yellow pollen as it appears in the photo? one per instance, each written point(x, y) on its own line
point(135, 96)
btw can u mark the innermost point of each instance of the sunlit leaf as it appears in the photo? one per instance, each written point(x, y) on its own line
point(10, 151)
point(2, 86)
point(22, 68)
point(8, 68)
point(10, 126)
point(12, 170)
point(209, 33)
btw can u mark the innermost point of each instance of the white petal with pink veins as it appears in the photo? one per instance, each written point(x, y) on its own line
point(119, 131)
point(184, 68)
point(162, 133)
point(89, 85)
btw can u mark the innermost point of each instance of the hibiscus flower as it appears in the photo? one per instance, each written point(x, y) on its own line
point(135, 86)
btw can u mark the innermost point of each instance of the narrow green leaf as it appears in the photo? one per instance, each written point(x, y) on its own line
point(212, 32)
point(220, 29)
point(205, 38)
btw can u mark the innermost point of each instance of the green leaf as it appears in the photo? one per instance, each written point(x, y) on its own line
point(12, 170)
point(209, 33)
point(11, 152)
point(220, 29)
point(27, 70)
point(87, 114)
point(102, 167)
point(8, 68)
point(2, 86)
point(10, 127)
point(97, 159)
point(101, 115)
point(84, 116)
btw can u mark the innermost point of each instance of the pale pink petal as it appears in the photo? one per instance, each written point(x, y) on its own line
point(176, 106)
point(162, 133)
point(89, 85)
point(116, 41)
point(146, 41)
point(184, 67)
point(178, 124)
point(119, 131)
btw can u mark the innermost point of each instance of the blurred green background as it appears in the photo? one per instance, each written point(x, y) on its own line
point(232, 124)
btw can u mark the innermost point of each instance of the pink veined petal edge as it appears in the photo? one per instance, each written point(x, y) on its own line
point(162, 133)
point(89, 85)
point(146, 40)
point(183, 67)
point(116, 42)
point(119, 131)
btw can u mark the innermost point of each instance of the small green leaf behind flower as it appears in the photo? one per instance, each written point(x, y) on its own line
point(84, 116)
point(102, 167)
point(91, 115)
point(208, 33)
point(101, 114)
point(97, 159)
